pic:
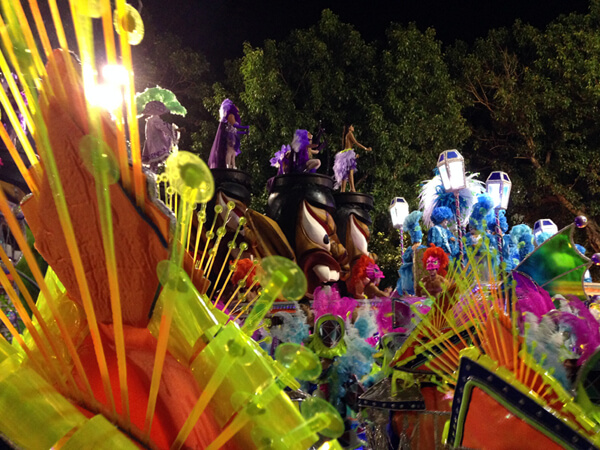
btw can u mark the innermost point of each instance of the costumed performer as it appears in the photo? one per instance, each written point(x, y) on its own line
point(161, 137)
point(435, 261)
point(439, 234)
point(313, 149)
point(433, 195)
point(297, 157)
point(406, 282)
point(523, 236)
point(344, 165)
point(364, 279)
point(226, 145)
point(500, 232)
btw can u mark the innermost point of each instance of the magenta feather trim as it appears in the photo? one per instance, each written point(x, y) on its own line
point(327, 300)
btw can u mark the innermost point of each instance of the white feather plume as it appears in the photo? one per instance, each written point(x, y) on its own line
point(433, 189)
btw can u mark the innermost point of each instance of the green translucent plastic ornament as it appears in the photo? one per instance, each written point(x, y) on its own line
point(172, 276)
point(323, 417)
point(295, 286)
point(130, 25)
point(300, 361)
point(190, 177)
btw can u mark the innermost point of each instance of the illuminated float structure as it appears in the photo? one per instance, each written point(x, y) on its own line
point(123, 348)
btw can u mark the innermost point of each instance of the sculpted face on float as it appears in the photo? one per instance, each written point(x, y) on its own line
point(357, 238)
point(318, 249)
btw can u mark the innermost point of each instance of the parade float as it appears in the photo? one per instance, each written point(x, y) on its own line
point(149, 306)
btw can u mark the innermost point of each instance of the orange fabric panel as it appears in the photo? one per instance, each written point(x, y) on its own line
point(138, 245)
point(176, 397)
point(420, 427)
point(490, 426)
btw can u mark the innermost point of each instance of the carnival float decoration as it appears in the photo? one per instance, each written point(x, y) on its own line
point(159, 310)
point(502, 359)
point(125, 346)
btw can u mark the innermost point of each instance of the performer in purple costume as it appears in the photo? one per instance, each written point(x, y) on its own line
point(161, 136)
point(297, 157)
point(226, 145)
point(344, 165)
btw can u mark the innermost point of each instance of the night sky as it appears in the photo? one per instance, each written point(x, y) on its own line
point(218, 28)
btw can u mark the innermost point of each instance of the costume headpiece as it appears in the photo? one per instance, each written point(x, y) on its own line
point(374, 272)
point(433, 195)
point(158, 94)
point(523, 236)
point(411, 224)
point(481, 209)
point(155, 108)
point(227, 107)
point(491, 221)
point(440, 214)
point(440, 255)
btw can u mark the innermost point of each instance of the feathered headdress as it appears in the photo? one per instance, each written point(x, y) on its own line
point(523, 236)
point(278, 157)
point(165, 96)
point(480, 210)
point(434, 195)
point(374, 272)
point(300, 146)
point(412, 225)
point(300, 141)
point(440, 214)
point(228, 107)
point(329, 301)
point(540, 238)
point(436, 252)
point(293, 327)
point(360, 271)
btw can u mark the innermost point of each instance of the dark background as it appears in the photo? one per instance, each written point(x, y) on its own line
point(218, 28)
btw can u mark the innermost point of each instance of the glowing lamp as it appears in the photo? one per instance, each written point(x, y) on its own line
point(398, 211)
point(451, 165)
point(544, 226)
point(107, 96)
point(498, 187)
point(115, 74)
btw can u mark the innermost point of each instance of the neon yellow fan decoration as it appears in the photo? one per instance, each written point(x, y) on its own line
point(123, 348)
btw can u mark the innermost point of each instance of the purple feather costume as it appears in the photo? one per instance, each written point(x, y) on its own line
point(292, 158)
point(228, 135)
point(345, 161)
point(300, 146)
point(160, 135)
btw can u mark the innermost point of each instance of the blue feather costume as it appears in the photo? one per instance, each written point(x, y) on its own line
point(406, 282)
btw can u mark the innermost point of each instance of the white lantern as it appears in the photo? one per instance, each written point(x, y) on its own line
point(498, 187)
point(451, 165)
point(544, 226)
point(398, 211)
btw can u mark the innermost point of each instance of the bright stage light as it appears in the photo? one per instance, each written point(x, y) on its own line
point(115, 74)
point(107, 96)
